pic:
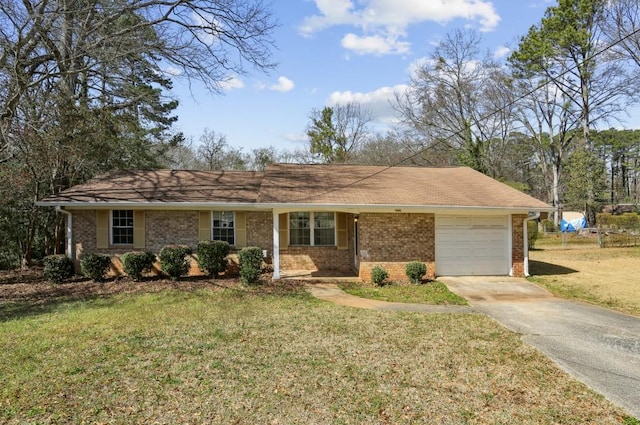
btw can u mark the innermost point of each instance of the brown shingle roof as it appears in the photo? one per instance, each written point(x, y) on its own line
point(166, 186)
point(349, 185)
point(371, 185)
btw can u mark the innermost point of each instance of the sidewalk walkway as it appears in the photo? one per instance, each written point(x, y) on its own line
point(331, 292)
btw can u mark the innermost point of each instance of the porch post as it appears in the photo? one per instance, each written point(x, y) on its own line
point(276, 245)
point(525, 247)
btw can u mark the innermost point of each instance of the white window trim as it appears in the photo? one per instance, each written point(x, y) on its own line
point(211, 213)
point(111, 242)
point(312, 228)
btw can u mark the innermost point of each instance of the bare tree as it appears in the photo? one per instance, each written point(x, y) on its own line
point(453, 99)
point(84, 83)
point(567, 49)
point(551, 121)
point(214, 153)
point(621, 26)
point(82, 48)
point(335, 133)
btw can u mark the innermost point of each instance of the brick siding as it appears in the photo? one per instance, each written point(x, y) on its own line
point(393, 240)
point(170, 228)
point(260, 230)
point(517, 245)
point(387, 239)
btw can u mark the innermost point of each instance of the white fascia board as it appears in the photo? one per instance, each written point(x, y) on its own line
point(151, 205)
point(441, 209)
point(353, 208)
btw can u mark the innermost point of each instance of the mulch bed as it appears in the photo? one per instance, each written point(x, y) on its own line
point(28, 286)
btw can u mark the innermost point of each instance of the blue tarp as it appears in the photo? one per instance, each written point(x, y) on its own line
point(573, 225)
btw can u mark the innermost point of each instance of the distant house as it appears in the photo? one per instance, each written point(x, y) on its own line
point(327, 218)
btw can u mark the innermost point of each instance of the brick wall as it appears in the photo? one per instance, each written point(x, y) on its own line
point(392, 240)
point(260, 230)
point(517, 244)
point(170, 228)
point(314, 258)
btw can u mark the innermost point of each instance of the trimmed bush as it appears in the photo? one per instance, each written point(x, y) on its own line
point(58, 268)
point(95, 266)
point(212, 257)
point(174, 260)
point(250, 259)
point(532, 233)
point(415, 271)
point(378, 275)
point(626, 221)
point(135, 263)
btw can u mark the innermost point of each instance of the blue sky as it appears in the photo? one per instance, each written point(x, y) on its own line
point(332, 51)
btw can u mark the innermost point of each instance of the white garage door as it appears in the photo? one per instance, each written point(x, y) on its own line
point(472, 245)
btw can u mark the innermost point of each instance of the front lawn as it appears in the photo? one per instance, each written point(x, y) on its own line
point(429, 293)
point(602, 276)
point(265, 355)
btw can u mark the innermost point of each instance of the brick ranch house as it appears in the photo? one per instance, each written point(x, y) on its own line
point(322, 218)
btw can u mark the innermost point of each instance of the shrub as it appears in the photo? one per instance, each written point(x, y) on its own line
point(378, 275)
point(250, 259)
point(415, 271)
point(136, 263)
point(626, 221)
point(58, 268)
point(95, 266)
point(174, 261)
point(532, 233)
point(548, 226)
point(212, 257)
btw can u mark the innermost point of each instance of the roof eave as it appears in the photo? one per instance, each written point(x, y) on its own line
point(355, 208)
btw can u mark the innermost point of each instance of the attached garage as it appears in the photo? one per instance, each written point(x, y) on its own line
point(472, 245)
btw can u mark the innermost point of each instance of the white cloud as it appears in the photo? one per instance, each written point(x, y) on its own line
point(231, 83)
point(501, 52)
point(172, 71)
point(283, 85)
point(207, 27)
point(379, 101)
point(374, 44)
point(385, 21)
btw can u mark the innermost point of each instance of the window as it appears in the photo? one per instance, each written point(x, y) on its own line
point(122, 227)
point(223, 227)
point(299, 228)
point(312, 228)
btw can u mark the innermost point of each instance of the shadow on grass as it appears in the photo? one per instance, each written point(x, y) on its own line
point(540, 268)
point(35, 298)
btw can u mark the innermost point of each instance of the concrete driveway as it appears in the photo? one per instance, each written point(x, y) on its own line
point(597, 346)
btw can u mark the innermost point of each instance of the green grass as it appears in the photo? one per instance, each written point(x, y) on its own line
point(576, 292)
point(248, 356)
point(430, 293)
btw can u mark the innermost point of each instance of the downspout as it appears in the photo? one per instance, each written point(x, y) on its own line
point(69, 231)
point(525, 231)
point(276, 245)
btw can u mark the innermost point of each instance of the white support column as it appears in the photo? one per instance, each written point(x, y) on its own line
point(510, 244)
point(70, 236)
point(276, 245)
point(69, 230)
point(525, 248)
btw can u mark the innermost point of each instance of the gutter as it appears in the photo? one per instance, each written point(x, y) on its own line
point(355, 208)
point(69, 230)
point(525, 228)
